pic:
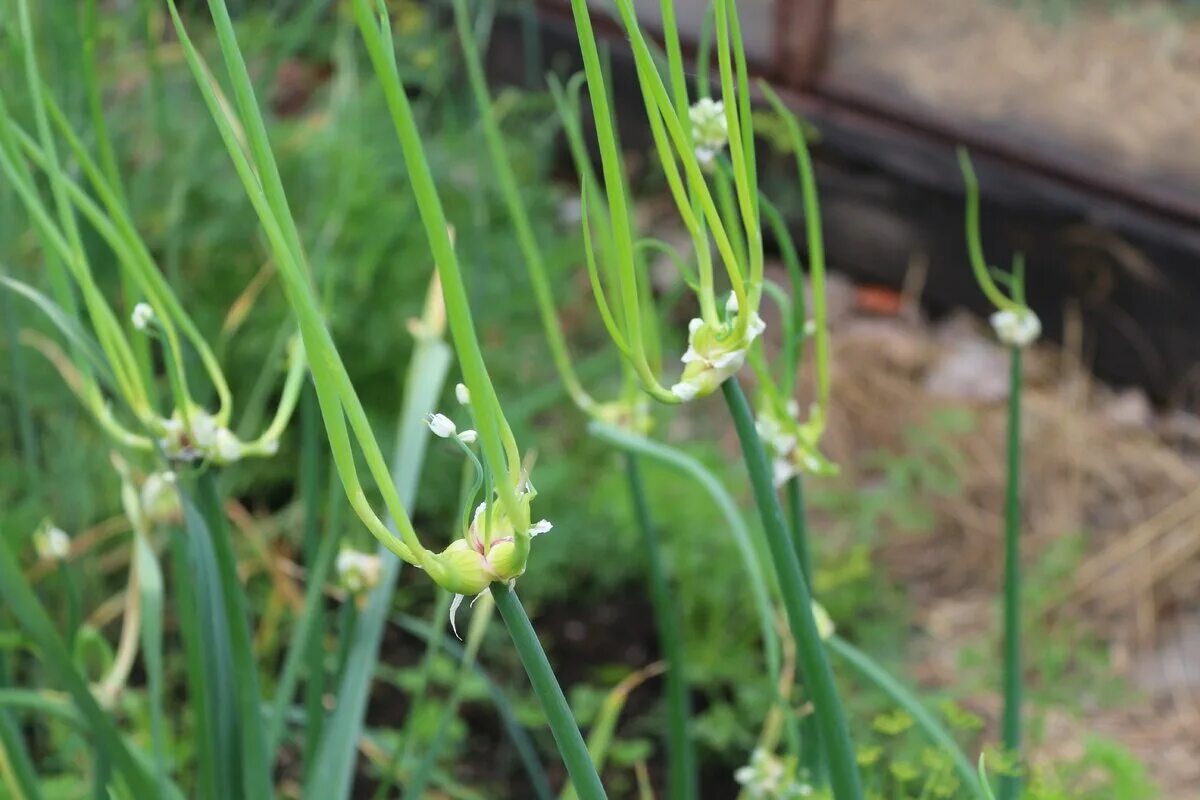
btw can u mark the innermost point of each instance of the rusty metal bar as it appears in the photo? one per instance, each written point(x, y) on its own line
point(802, 33)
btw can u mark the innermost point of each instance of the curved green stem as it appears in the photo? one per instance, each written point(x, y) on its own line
point(682, 462)
point(683, 782)
point(495, 437)
point(827, 707)
point(815, 243)
point(974, 241)
point(903, 697)
point(530, 251)
point(793, 345)
point(554, 704)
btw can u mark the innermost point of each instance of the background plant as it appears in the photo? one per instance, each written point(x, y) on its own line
point(336, 154)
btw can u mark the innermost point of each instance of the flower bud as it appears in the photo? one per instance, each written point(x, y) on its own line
point(52, 543)
point(358, 572)
point(441, 425)
point(625, 414)
point(465, 570)
point(462, 394)
point(226, 447)
point(142, 316)
point(506, 563)
point(1016, 328)
point(769, 777)
point(468, 436)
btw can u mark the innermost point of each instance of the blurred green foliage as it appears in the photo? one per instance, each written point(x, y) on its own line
point(341, 166)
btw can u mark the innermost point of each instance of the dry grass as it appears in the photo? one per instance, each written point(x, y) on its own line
point(1121, 88)
point(1095, 463)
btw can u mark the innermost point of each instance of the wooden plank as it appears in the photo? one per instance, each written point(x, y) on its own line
point(801, 41)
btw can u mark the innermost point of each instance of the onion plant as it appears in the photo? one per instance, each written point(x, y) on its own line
point(628, 409)
point(164, 443)
point(491, 548)
point(116, 362)
point(1016, 327)
point(687, 139)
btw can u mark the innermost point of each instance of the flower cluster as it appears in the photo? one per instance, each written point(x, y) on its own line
point(794, 446)
point(142, 316)
point(768, 777)
point(489, 551)
point(715, 352)
point(1016, 327)
point(630, 415)
point(201, 437)
point(710, 129)
point(358, 572)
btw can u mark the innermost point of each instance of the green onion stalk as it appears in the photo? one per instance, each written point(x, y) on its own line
point(112, 358)
point(794, 445)
point(1016, 327)
point(629, 410)
point(720, 206)
point(491, 547)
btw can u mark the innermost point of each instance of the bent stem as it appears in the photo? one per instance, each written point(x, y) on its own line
point(1010, 785)
point(562, 723)
point(901, 696)
point(827, 707)
point(681, 757)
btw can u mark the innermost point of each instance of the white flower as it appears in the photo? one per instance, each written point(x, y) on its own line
point(172, 439)
point(204, 429)
point(52, 543)
point(226, 447)
point(468, 436)
point(783, 470)
point(773, 435)
point(768, 777)
point(441, 425)
point(358, 572)
point(463, 394)
point(1018, 328)
point(710, 128)
point(794, 447)
point(142, 316)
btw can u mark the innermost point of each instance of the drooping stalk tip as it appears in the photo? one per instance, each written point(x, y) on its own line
point(686, 139)
point(1015, 323)
point(498, 548)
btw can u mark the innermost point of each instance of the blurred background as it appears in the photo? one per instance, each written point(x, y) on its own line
point(1082, 119)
